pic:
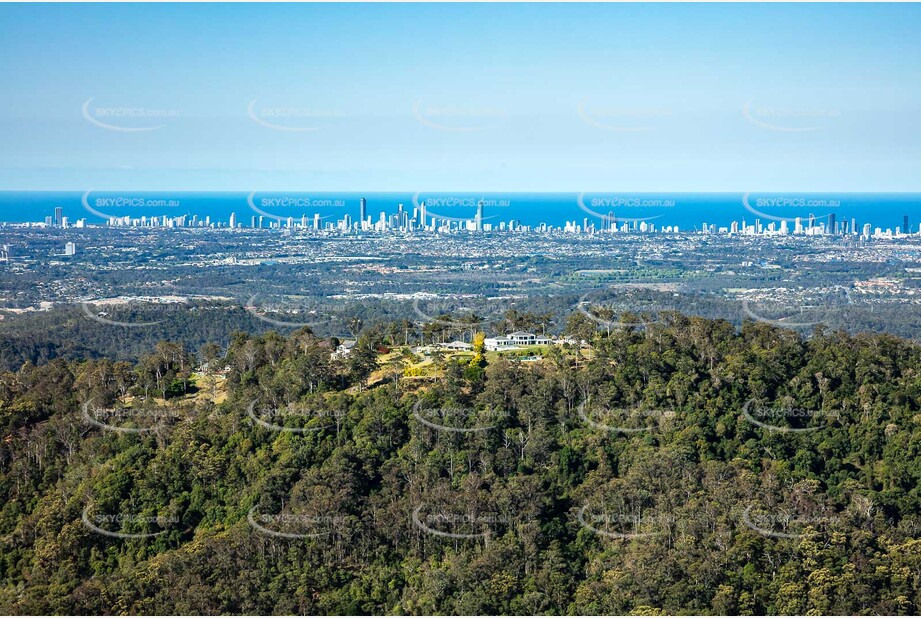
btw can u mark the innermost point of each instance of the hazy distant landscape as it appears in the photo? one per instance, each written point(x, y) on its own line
point(201, 285)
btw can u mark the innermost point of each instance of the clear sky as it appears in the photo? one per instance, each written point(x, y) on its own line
point(484, 97)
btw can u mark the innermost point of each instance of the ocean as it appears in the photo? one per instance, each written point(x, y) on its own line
point(685, 210)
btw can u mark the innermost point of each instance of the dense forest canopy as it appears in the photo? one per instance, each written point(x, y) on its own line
point(685, 465)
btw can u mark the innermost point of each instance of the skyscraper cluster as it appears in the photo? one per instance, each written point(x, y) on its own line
point(812, 226)
point(421, 219)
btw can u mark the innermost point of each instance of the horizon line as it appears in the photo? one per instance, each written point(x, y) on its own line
point(480, 191)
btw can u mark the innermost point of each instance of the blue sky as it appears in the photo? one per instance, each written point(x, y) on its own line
point(484, 97)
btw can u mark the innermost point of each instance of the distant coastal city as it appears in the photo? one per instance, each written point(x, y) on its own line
point(421, 220)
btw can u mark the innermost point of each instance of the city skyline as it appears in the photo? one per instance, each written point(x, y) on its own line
point(404, 220)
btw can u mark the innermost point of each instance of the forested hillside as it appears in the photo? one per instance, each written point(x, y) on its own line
point(687, 466)
point(75, 332)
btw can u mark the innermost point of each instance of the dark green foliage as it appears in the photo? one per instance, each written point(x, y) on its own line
point(631, 481)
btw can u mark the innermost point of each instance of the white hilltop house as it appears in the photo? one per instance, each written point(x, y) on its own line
point(516, 340)
point(344, 349)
